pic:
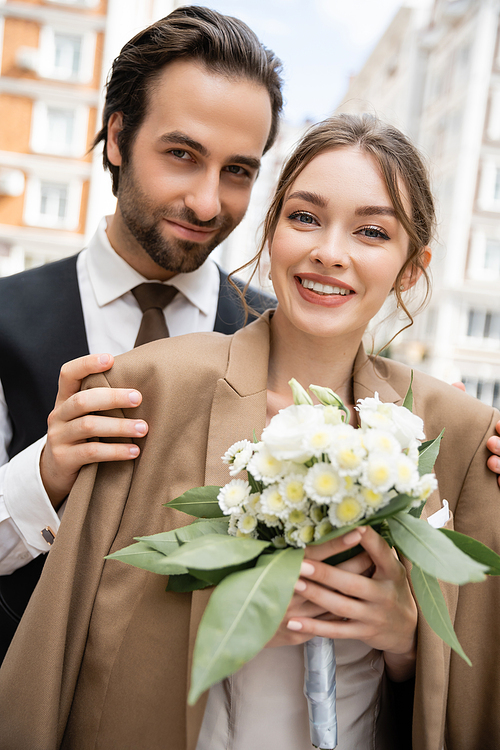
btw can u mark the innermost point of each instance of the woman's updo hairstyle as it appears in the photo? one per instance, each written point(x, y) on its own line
point(398, 159)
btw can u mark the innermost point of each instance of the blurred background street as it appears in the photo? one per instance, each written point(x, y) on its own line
point(431, 67)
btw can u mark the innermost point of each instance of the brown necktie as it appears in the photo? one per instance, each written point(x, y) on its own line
point(152, 298)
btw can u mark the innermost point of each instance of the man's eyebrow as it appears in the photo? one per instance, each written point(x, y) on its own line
point(178, 138)
point(374, 210)
point(305, 195)
point(248, 161)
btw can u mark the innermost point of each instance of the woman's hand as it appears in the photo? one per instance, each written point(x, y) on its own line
point(378, 610)
point(302, 607)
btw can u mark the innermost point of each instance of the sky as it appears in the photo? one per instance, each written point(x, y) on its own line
point(321, 43)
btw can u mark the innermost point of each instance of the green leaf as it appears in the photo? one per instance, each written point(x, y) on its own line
point(398, 503)
point(216, 575)
point(408, 402)
point(181, 584)
point(417, 512)
point(477, 550)
point(428, 452)
point(215, 551)
point(432, 551)
point(433, 606)
point(200, 502)
point(254, 484)
point(341, 557)
point(140, 555)
point(168, 541)
point(242, 615)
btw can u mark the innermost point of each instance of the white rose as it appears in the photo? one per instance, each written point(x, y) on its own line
point(404, 425)
point(284, 436)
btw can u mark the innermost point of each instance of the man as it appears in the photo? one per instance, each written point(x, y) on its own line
point(192, 104)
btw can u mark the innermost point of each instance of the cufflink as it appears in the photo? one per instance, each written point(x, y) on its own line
point(48, 535)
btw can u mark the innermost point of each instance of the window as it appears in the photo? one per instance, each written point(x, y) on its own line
point(492, 256)
point(53, 200)
point(59, 130)
point(489, 187)
point(496, 192)
point(78, 3)
point(53, 203)
point(67, 54)
point(484, 324)
point(487, 391)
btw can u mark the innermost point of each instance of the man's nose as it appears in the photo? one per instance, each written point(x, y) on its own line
point(203, 197)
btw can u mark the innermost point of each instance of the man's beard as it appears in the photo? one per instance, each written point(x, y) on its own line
point(143, 220)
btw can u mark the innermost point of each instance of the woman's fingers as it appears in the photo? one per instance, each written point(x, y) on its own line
point(334, 546)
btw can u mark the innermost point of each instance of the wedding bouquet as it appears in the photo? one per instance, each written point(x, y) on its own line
point(311, 477)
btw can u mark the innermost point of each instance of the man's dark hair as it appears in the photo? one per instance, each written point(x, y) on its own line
point(223, 44)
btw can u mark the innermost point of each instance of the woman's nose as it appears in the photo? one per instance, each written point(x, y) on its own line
point(332, 251)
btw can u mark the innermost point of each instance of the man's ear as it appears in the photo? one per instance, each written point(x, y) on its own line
point(412, 273)
point(115, 125)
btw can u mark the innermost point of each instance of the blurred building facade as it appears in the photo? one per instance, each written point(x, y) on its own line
point(436, 75)
point(54, 59)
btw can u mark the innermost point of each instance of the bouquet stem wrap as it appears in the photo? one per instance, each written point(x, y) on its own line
point(320, 691)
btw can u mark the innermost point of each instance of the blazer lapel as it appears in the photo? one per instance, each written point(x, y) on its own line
point(238, 408)
point(368, 380)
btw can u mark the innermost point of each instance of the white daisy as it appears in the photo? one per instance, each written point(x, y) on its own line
point(323, 483)
point(292, 491)
point(378, 472)
point(350, 509)
point(233, 496)
point(263, 466)
point(272, 502)
point(247, 523)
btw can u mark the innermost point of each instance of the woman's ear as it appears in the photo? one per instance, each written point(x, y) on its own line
point(115, 125)
point(413, 273)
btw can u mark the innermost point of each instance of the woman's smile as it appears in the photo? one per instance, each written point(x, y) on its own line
point(322, 290)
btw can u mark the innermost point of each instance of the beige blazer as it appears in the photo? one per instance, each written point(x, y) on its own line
point(102, 657)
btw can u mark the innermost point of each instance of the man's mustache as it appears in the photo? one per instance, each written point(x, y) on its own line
point(190, 217)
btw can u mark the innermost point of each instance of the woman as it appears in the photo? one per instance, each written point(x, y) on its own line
point(350, 224)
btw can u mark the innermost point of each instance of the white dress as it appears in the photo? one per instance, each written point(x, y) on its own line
point(262, 706)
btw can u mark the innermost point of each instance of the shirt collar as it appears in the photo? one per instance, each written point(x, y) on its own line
point(112, 277)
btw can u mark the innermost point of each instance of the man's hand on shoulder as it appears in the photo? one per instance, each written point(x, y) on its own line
point(73, 423)
point(493, 445)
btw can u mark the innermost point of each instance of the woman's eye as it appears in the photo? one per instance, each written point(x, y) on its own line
point(374, 233)
point(303, 217)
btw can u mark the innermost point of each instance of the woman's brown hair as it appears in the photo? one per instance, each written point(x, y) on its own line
point(399, 162)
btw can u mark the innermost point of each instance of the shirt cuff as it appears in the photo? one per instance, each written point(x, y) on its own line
point(25, 498)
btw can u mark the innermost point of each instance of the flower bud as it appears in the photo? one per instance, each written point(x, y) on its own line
point(327, 397)
point(300, 395)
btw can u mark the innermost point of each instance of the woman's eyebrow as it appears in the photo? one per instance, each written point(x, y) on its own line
point(373, 210)
point(313, 198)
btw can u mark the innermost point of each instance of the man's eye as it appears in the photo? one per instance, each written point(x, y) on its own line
point(374, 233)
point(235, 169)
point(179, 153)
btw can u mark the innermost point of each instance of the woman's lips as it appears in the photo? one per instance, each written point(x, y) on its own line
point(327, 292)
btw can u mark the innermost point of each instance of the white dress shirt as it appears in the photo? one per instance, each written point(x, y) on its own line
point(112, 318)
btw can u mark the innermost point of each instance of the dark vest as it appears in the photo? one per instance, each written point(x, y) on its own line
point(41, 328)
